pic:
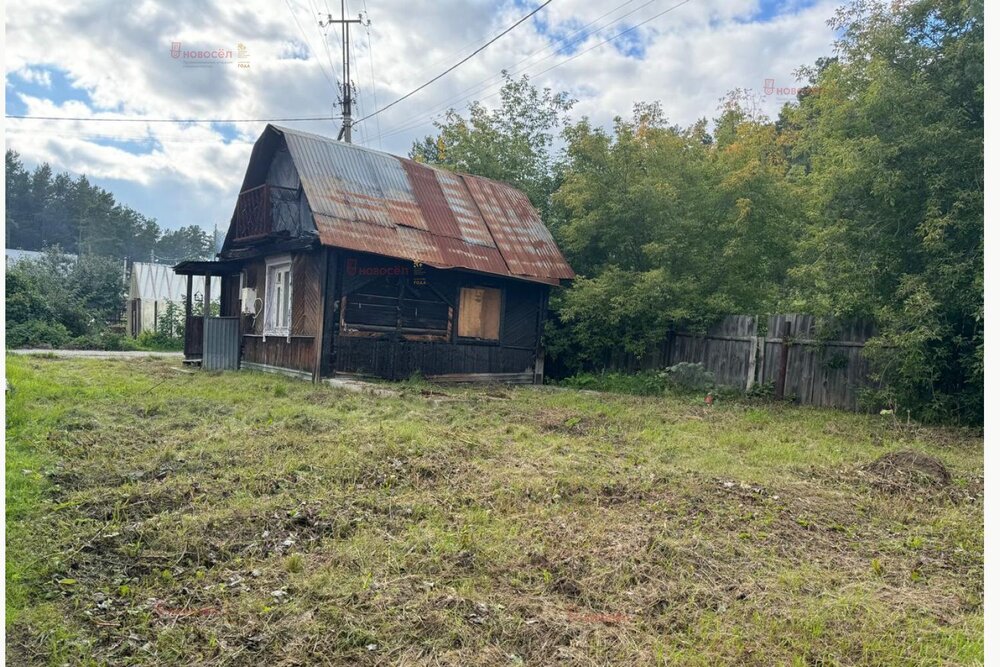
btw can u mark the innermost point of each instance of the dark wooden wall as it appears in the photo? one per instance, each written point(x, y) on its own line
point(297, 352)
point(397, 355)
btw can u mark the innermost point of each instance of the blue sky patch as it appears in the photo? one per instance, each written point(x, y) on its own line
point(60, 90)
point(770, 9)
point(631, 44)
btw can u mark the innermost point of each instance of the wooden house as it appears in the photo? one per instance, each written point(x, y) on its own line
point(344, 261)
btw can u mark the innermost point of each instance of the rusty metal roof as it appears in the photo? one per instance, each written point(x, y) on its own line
point(374, 202)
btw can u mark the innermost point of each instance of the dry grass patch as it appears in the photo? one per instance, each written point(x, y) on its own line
point(160, 518)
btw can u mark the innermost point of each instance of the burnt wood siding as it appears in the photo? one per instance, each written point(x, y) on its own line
point(428, 296)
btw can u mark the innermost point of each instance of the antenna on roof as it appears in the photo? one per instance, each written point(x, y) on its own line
point(346, 97)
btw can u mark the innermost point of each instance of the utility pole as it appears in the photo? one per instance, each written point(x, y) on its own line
point(345, 33)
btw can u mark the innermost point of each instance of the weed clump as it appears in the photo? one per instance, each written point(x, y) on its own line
point(907, 470)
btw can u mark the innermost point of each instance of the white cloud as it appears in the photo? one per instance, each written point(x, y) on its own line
point(119, 55)
point(39, 77)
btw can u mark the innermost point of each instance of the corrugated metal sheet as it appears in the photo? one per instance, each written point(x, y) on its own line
point(221, 348)
point(158, 282)
point(375, 202)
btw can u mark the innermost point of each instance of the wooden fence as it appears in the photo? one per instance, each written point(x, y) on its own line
point(821, 367)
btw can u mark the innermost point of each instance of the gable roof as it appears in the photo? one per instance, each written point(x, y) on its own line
point(374, 202)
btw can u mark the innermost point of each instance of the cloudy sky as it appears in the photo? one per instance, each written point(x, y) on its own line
point(104, 59)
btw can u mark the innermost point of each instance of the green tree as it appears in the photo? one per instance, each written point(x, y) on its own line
point(892, 153)
point(191, 242)
point(46, 209)
point(669, 228)
point(511, 143)
point(58, 293)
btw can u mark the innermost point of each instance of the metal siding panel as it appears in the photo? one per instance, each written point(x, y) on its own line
point(221, 349)
point(378, 203)
point(525, 243)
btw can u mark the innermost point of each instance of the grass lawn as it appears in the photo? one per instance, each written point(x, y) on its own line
point(169, 518)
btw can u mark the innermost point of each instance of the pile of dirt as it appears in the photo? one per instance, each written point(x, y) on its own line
point(906, 470)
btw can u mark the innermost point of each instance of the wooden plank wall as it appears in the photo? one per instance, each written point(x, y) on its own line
point(825, 368)
point(725, 349)
point(826, 365)
point(378, 354)
point(298, 351)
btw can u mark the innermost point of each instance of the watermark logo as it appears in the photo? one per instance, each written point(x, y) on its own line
point(201, 58)
point(355, 269)
point(786, 92)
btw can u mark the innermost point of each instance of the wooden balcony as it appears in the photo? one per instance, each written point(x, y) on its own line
point(253, 214)
point(264, 211)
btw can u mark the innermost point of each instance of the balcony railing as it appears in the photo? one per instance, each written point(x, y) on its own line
point(266, 209)
point(253, 213)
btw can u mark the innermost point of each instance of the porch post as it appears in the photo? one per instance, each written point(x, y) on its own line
point(205, 315)
point(187, 318)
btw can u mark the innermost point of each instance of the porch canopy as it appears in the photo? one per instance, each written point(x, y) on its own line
point(206, 268)
point(196, 326)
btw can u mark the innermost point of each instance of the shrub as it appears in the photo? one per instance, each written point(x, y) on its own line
point(36, 333)
point(682, 378)
point(157, 340)
point(645, 383)
point(689, 378)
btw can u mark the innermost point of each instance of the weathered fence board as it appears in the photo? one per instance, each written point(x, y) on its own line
point(825, 365)
point(824, 368)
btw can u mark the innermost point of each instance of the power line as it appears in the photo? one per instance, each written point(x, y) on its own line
point(322, 37)
point(575, 38)
point(347, 98)
point(567, 60)
point(358, 98)
point(459, 63)
point(565, 43)
point(308, 45)
point(103, 119)
point(371, 67)
point(613, 37)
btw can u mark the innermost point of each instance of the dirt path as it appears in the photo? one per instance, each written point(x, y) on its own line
point(101, 354)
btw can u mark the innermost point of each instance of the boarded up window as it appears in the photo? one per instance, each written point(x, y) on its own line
point(377, 306)
point(422, 311)
point(479, 313)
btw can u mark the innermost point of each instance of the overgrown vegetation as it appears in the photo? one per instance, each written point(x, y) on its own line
point(59, 301)
point(680, 379)
point(862, 200)
point(156, 516)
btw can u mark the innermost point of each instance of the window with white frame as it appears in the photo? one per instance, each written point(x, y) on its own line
point(278, 301)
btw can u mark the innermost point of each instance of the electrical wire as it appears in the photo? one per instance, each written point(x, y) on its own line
point(563, 62)
point(323, 39)
point(308, 45)
point(569, 41)
point(357, 98)
point(371, 67)
point(103, 119)
point(458, 64)
point(575, 38)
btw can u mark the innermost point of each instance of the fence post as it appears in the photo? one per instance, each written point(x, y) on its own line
point(752, 360)
point(779, 384)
